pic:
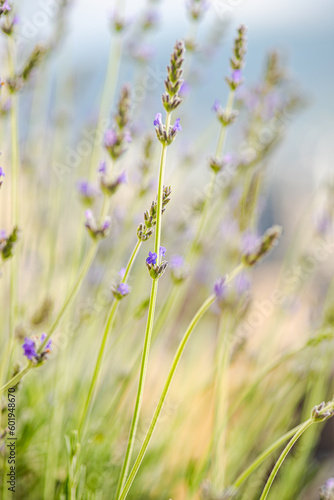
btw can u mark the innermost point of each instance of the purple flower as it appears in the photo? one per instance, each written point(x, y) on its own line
point(86, 189)
point(177, 126)
point(250, 242)
point(123, 289)
point(89, 216)
point(219, 287)
point(177, 261)
point(48, 345)
point(2, 173)
point(121, 272)
point(3, 234)
point(158, 120)
point(216, 105)
point(106, 224)
point(242, 284)
point(122, 178)
point(6, 7)
point(110, 138)
point(184, 89)
point(102, 167)
point(29, 348)
point(152, 258)
point(127, 136)
point(162, 251)
point(236, 76)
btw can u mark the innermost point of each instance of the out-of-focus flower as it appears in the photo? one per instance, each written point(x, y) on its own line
point(87, 191)
point(110, 138)
point(121, 272)
point(256, 250)
point(110, 187)
point(326, 492)
point(5, 7)
point(102, 167)
point(184, 89)
point(96, 230)
point(162, 251)
point(219, 287)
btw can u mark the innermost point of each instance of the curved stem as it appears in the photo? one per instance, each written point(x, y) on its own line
point(201, 311)
point(283, 456)
point(268, 369)
point(16, 379)
point(262, 457)
point(205, 306)
point(68, 301)
point(149, 328)
point(109, 323)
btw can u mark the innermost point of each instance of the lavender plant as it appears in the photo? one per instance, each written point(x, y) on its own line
point(193, 393)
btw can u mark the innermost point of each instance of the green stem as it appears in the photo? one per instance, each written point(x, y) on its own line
point(68, 301)
point(302, 428)
point(72, 293)
point(15, 155)
point(160, 194)
point(149, 327)
point(108, 327)
point(108, 94)
point(16, 379)
point(263, 456)
point(201, 311)
point(221, 383)
point(223, 130)
point(205, 306)
point(270, 368)
point(211, 187)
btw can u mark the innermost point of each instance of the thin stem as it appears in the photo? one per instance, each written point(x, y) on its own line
point(68, 301)
point(16, 379)
point(91, 392)
point(15, 155)
point(221, 383)
point(212, 183)
point(160, 194)
point(149, 327)
point(283, 456)
point(72, 293)
point(223, 130)
point(108, 327)
point(201, 311)
point(107, 98)
point(262, 457)
point(268, 369)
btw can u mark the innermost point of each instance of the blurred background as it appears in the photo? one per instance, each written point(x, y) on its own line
point(75, 90)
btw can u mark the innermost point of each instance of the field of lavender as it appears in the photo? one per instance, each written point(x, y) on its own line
point(167, 314)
